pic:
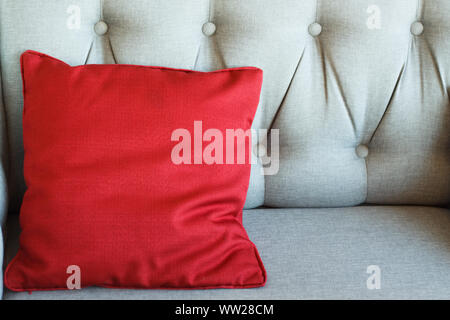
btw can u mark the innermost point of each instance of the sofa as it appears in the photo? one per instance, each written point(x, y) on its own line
point(357, 92)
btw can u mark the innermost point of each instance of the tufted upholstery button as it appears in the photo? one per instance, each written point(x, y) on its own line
point(101, 28)
point(315, 29)
point(259, 150)
point(362, 151)
point(417, 28)
point(209, 29)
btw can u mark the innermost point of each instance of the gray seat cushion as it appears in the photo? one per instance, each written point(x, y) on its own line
point(322, 254)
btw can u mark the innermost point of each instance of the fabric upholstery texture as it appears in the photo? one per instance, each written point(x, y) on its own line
point(366, 78)
point(323, 254)
point(105, 191)
point(340, 77)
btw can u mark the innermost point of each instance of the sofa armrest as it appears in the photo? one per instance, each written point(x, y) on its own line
point(2, 251)
point(3, 184)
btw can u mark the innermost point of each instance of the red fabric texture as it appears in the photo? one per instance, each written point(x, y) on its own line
point(103, 193)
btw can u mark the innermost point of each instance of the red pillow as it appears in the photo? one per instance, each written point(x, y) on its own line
point(104, 193)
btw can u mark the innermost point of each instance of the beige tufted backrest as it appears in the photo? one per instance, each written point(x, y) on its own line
point(359, 89)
